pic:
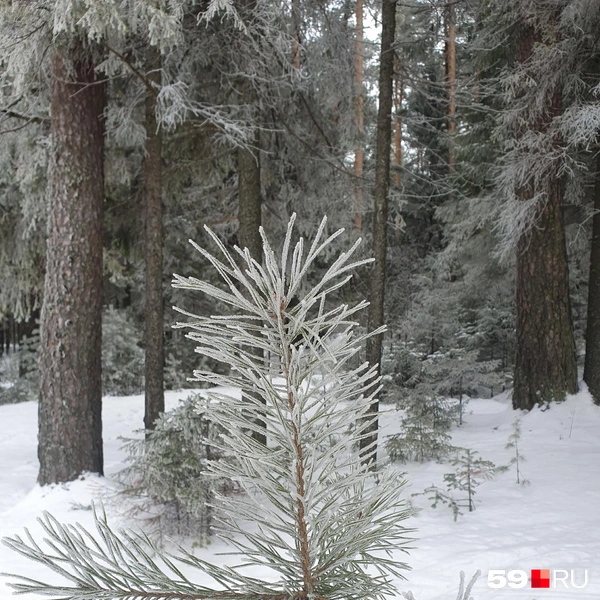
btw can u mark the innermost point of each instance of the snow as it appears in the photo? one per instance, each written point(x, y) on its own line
point(552, 523)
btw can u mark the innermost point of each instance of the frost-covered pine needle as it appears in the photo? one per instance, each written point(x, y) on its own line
point(311, 514)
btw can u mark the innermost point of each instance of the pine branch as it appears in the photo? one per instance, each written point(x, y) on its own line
point(321, 520)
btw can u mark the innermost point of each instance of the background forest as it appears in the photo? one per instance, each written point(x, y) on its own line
point(459, 138)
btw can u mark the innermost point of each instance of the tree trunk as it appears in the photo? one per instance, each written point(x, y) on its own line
point(380, 212)
point(591, 373)
point(451, 83)
point(153, 252)
point(70, 420)
point(250, 217)
point(249, 198)
point(398, 98)
point(545, 365)
point(359, 108)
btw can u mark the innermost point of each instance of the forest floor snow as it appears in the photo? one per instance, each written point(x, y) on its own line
point(551, 523)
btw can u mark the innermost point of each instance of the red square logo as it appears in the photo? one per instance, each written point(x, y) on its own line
point(540, 578)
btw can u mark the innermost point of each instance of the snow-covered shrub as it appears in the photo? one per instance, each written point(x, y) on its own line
point(434, 389)
point(423, 432)
point(122, 357)
point(168, 470)
point(402, 370)
point(418, 441)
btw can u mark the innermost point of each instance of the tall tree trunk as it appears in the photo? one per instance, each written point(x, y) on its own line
point(153, 251)
point(591, 373)
point(249, 215)
point(380, 212)
point(398, 98)
point(249, 198)
point(249, 186)
point(359, 109)
point(545, 365)
point(70, 420)
point(451, 83)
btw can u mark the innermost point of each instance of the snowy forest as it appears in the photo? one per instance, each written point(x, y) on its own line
point(394, 210)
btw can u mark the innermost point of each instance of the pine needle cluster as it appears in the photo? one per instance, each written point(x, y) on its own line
point(324, 525)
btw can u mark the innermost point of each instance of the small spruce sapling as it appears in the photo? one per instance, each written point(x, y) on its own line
point(469, 474)
point(423, 433)
point(324, 526)
point(437, 495)
point(419, 441)
point(168, 471)
point(513, 444)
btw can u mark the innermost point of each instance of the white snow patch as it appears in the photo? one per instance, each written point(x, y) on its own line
point(553, 523)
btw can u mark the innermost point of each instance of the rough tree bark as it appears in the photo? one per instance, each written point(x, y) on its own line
point(249, 198)
point(545, 365)
point(380, 212)
point(591, 372)
point(153, 251)
point(398, 99)
point(249, 216)
point(70, 425)
point(249, 184)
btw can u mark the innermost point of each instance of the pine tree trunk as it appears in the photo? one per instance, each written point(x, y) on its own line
point(545, 365)
point(249, 188)
point(591, 373)
point(380, 212)
point(70, 420)
point(359, 108)
point(249, 198)
point(249, 215)
point(153, 252)
point(398, 98)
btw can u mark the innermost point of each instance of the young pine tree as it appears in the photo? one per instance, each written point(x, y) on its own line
point(325, 526)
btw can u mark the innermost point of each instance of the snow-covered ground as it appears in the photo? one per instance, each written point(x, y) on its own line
point(552, 523)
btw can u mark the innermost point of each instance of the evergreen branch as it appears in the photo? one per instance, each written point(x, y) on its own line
point(321, 520)
point(148, 84)
point(13, 114)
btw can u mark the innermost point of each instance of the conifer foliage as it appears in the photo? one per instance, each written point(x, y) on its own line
point(323, 524)
point(167, 472)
